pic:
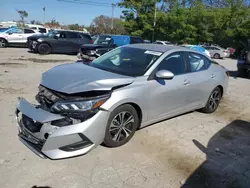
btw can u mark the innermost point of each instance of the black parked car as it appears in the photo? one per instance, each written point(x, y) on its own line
point(103, 44)
point(67, 42)
point(243, 63)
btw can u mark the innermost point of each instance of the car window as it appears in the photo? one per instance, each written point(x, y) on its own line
point(61, 35)
point(127, 61)
point(82, 35)
point(72, 35)
point(174, 63)
point(17, 30)
point(134, 40)
point(42, 30)
point(217, 48)
point(104, 40)
point(28, 31)
point(197, 62)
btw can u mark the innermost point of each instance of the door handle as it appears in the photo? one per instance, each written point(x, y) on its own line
point(186, 82)
point(213, 76)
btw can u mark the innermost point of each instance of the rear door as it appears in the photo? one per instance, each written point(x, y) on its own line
point(16, 36)
point(73, 40)
point(199, 77)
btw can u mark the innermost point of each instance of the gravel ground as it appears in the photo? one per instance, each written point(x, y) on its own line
point(192, 150)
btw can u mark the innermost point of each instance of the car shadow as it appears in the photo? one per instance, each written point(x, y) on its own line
point(235, 74)
point(227, 162)
point(40, 186)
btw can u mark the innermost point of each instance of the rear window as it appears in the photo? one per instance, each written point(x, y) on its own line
point(42, 30)
point(72, 35)
point(134, 40)
point(85, 36)
point(28, 31)
point(104, 40)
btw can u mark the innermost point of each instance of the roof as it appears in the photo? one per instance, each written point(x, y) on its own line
point(154, 47)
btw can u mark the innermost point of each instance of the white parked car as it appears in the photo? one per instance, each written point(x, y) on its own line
point(17, 36)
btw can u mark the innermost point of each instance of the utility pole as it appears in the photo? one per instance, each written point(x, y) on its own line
point(153, 36)
point(112, 19)
point(43, 15)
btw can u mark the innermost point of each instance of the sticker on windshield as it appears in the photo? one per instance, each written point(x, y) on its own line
point(153, 53)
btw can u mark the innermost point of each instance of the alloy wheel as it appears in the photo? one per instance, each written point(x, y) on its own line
point(121, 126)
point(2, 43)
point(214, 100)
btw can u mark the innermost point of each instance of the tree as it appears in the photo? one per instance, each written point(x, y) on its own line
point(23, 14)
point(35, 22)
point(53, 23)
point(102, 24)
point(224, 22)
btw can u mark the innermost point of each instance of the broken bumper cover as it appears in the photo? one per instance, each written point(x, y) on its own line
point(37, 132)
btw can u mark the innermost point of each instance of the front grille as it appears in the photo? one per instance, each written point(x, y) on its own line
point(26, 135)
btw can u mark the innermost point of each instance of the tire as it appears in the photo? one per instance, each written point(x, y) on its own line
point(118, 134)
point(44, 49)
point(3, 43)
point(213, 101)
point(217, 56)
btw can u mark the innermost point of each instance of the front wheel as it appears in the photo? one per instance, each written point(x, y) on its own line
point(3, 43)
point(44, 49)
point(213, 101)
point(122, 124)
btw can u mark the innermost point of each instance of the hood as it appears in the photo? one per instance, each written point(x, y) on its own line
point(77, 78)
point(91, 46)
point(38, 36)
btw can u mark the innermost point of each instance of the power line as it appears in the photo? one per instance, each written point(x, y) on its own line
point(95, 2)
point(86, 3)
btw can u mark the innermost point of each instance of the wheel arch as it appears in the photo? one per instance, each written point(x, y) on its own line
point(221, 89)
point(5, 40)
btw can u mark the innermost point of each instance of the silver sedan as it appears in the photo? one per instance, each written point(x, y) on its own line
point(106, 101)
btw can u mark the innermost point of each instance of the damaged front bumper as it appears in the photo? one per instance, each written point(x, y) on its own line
point(38, 130)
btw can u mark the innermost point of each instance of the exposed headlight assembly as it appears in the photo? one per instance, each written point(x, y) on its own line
point(79, 105)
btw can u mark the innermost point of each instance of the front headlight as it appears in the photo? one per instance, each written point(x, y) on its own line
point(81, 105)
point(39, 40)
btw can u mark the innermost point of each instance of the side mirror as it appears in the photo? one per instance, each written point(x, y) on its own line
point(164, 74)
point(9, 33)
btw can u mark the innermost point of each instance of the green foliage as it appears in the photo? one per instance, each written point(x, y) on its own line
point(23, 14)
point(103, 24)
point(224, 22)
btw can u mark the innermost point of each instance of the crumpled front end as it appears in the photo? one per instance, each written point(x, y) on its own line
point(57, 135)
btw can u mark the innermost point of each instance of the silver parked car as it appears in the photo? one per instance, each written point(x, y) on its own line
point(217, 52)
point(81, 106)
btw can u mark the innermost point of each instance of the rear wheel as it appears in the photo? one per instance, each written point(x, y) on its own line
point(217, 56)
point(44, 49)
point(121, 127)
point(3, 43)
point(213, 101)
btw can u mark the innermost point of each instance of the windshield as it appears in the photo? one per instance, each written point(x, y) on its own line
point(51, 34)
point(103, 40)
point(127, 61)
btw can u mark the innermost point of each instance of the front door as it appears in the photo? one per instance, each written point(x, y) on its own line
point(169, 97)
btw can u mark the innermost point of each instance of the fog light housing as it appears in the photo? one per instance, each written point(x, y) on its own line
point(85, 142)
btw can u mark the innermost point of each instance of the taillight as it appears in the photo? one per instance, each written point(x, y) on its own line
point(92, 41)
point(227, 73)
